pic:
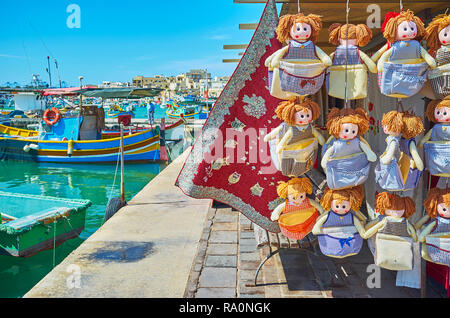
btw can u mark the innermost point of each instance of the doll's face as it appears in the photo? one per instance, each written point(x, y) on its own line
point(303, 117)
point(443, 210)
point(388, 132)
point(394, 213)
point(300, 31)
point(341, 207)
point(442, 114)
point(300, 198)
point(407, 30)
point(444, 35)
point(348, 131)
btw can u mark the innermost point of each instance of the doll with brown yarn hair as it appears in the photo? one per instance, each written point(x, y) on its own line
point(293, 144)
point(349, 58)
point(436, 142)
point(400, 166)
point(340, 230)
point(402, 63)
point(437, 35)
point(347, 156)
point(435, 236)
point(298, 68)
point(298, 214)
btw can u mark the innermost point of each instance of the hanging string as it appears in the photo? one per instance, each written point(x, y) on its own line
point(346, 54)
point(298, 6)
point(401, 5)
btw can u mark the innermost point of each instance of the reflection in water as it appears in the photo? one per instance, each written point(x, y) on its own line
point(84, 181)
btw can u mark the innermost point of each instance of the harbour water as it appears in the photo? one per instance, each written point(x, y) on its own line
point(93, 182)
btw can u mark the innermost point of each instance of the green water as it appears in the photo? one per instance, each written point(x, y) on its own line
point(93, 182)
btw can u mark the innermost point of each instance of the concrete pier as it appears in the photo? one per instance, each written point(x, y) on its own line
point(146, 250)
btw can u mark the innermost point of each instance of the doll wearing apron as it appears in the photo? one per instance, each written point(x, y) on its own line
point(289, 165)
point(298, 79)
point(348, 165)
point(403, 80)
point(340, 59)
point(298, 231)
point(340, 238)
point(437, 150)
point(439, 254)
point(391, 177)
point(440, 77)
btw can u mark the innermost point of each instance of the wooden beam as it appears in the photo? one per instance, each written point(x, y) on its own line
point(230, 60)
point(235, 46)
point(248, 26)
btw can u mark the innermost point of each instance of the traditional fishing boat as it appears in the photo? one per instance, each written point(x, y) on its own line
point(32, 223)
point(183, 111)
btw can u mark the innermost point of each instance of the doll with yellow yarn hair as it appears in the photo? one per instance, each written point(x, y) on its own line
point(294, 144)
point(402, 63)
point(347, 156)
point(348, 58)
point(297, 215)
point(298, 68)
point(437, 35)
point(400, 166)
point(340, 229)
point(435, 235)
point(436, 142)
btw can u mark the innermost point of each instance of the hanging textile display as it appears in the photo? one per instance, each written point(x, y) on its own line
point(230, 161)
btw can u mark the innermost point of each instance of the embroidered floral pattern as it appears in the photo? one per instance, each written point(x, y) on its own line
point(255, 106)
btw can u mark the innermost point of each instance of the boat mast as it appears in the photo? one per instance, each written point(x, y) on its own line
point(49, 71)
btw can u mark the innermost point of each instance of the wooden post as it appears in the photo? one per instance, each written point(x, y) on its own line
point(122, 174)
point(162, 146)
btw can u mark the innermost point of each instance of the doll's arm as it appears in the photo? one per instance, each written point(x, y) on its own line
point(268, 61)
point(428, 58)
point(421, 222)
point(359, 226)
point(387, 157)
point(284, 141)
point(317, 229)
point(273, 133)
point(411, 230)
point(372, 228)
point(427, 230)
point(415, 156)
point(371, 156)
point(326, 157)
point(316, 204)
point(425, 138)
point(380, 52)
point(318, 135)
point(361, 216)
point(323, 56)
point(276, 213)
point(276, 58)
point(384, 58)
point(368, 61)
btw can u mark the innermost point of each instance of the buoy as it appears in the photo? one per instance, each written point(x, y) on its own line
point(70, 147)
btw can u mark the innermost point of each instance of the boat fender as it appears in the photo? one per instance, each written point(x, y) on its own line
point(26, 148)
point(34, 146)
point(70, 147)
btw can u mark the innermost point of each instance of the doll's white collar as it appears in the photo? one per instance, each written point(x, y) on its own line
point(443, 220)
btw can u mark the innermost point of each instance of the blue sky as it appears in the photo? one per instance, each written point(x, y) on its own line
point(120, 39)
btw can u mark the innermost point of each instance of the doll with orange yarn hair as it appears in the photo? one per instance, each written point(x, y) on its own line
point(402, 63)
point(298, 214)
point(436, 142)
point(347, 156)
point(400, 166)
point(437, 35)
point(340, 230)
point(294, 144)
point(435, 236)
point(348, 58)
point(392, 234)
point(298, 69)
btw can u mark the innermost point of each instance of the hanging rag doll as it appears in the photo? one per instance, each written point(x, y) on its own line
point(400, 166)
point(294, 144)
point(404, 63)
point(436, 142)
point(347, 158)
point(438, 40)
point(339, 230)
point(435, 236)
point(352, 61)
point(298, 69)
point(392, 235)
point(298, 214)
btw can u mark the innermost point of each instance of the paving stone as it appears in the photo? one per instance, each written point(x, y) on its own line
point(221, 261)
point(247, 241)
point(244, 220)
point(247, 248)
point(248, 274)
point(251, 296)
point(230, 226)
point(247, 235)
point(252, 256)
point(225, 217)
point(223, 237)
point(222, 249)
point(248, 265)
point(216, 293)
point(218, 277)
point(198, 267)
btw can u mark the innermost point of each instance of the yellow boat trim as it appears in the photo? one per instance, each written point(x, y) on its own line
point(12, 131)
